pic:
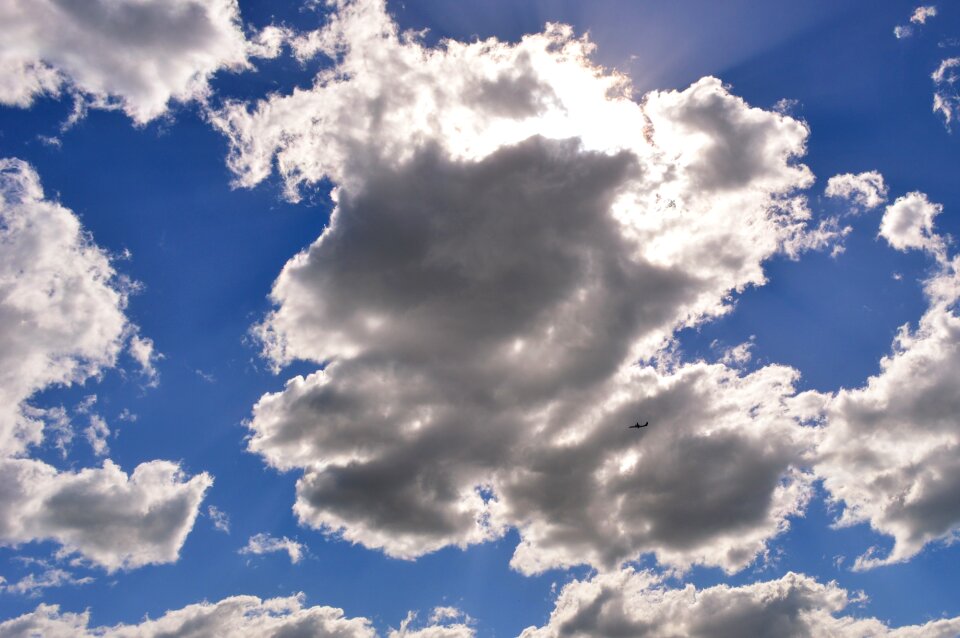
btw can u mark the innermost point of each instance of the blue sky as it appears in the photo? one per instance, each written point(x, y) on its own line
point(503, 288)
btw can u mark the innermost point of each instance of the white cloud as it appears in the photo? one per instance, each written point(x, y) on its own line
point(629, 603)
point(146, 356)
point(889, 451)
point(908, 223)
point(946, 100)
point(922, 13)
point(111, 519)
point(234, 617)
point(442, 625)
point(134, 55)
point(902, 31)
point(221, 521)
point(97, 434)
point(265, 544)
point(920, 16)
point(866, 190)
point(33, 584)
point(61, 294)
point(62, 309)
point(512, 234)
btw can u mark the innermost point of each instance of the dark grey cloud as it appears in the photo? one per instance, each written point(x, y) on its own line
point(512, 234)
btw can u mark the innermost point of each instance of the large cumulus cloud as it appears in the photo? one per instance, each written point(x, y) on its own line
point(630, 603)
point(136, 55)
point(513, 233)
point(63, 322)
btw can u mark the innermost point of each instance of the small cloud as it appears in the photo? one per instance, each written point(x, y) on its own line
point(865, 190)
point(265, 544)
point(86, 405)
point(49, 140)
point(206, 376)
point(127, 416)
point(920, 14)
point(221, 521)
point(32, 584)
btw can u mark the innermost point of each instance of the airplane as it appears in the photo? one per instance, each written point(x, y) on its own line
point(630, 427)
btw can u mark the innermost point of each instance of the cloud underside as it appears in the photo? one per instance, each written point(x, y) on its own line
point(60, 292)
point(513, 233)
point(133, 56)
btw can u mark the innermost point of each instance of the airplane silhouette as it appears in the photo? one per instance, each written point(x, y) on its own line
point(630, 427)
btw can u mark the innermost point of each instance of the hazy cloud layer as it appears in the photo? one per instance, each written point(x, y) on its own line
point(134, 55)
point(234, 617)
point(512, 233)
point(634, 604)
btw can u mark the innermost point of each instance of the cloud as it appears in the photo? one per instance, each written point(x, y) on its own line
point(889, 451)
point(134, 56)
point(97, 433)
point(63, 306)
point(866, 190)
point(512, 234)
point(112, 519)
point(221, 521)
point(246, 616)
point(143, 352)
point(265, 544)
point(946, 100)
point(62, 294)
point(908, 223)
point(630, 603)
point(919, 16)
point(32, 584)
point(922, 13)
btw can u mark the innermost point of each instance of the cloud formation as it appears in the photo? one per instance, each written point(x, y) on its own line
point(866, 190)
point(946, 100)
point(630, 603)
point(234, 617)
point(62, 294)
point(265, 544)
point(889, 452)
point(513, 233)
point(112, 519)
point(908, 224)
point(137, 56)
point(62, 305)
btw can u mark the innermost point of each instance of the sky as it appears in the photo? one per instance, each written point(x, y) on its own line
point(329, 318)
